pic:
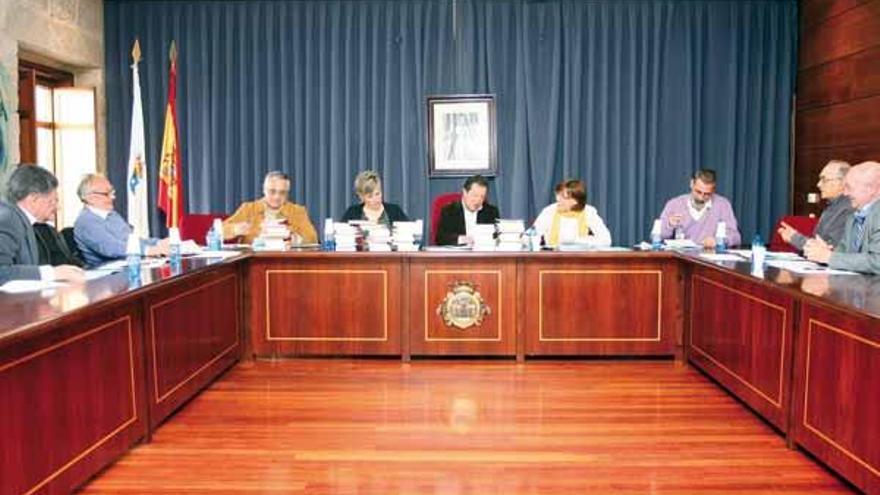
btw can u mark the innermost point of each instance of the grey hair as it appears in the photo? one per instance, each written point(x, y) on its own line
point(275, 174)
point(85, 186)
point(29, 179)
point(840, 166)
point(367, 182)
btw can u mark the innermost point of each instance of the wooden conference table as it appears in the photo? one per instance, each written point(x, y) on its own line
point(86, 372)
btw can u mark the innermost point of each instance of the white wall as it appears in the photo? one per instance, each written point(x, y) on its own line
point(67, 34)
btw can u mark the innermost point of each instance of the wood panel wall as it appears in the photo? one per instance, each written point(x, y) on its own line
point(838, 90)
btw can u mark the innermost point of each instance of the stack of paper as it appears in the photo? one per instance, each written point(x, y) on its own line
point(510, 234)
point(346, 236)
point(484, 237)
point(404, 235)
point(377, 238)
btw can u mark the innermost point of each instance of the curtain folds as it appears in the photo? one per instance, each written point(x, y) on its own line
point(630, 96)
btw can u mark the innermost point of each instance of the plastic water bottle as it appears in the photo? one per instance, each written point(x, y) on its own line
point(214, 239)
point(174, 247)
point(329, 236)
point(759, 251)
point(721, 237)
point(133, 261)
point(530, 235)
point(656, 236)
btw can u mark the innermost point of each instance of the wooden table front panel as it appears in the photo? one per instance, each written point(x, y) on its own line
point(601, 307)
point(71, 401)
point(193, 335)
point(429, 283)
point(338, 305)
point(837, 393)
point(741, 335)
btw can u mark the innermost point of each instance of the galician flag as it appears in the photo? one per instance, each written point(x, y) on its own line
point(137, 184)
point(170, 187)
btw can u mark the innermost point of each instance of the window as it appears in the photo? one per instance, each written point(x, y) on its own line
point(57, 131)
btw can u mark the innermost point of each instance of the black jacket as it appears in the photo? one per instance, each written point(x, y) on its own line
point(451, 223)
point(53, 249)
point(392, 211)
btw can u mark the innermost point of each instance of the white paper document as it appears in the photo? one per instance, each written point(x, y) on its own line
point(117, 265)
point(22, 286)
point(805, 267)
point(721, 257)
point(680, 244)
point(216, 254)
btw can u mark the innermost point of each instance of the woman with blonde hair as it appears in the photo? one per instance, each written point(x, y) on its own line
point(368, 188)
point(571, 220)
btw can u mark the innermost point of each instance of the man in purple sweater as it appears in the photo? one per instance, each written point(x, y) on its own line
point(695, 216)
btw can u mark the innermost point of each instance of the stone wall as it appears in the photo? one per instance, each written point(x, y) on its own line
point(67, 34)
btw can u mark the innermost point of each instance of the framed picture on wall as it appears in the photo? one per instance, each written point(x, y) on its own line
point(461, 135)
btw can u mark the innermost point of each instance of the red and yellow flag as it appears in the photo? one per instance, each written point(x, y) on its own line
point(170, 186)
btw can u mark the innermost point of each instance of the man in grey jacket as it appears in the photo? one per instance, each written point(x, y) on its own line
point(833, 220)
point(859, 250)
point(33, 197)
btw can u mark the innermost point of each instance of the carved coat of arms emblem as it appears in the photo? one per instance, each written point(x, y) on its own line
point(463, 306)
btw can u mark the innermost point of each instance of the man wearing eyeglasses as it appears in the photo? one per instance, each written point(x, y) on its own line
point(100, 232)
point(247, 221)
point(859, 248)
point(695, 216)
point(832, 222)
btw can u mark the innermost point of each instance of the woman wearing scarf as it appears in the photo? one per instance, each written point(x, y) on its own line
point(571, 220)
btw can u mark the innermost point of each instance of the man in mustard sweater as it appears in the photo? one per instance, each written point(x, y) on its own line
point(247, 221)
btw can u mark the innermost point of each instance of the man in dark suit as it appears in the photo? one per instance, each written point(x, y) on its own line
point(458, 219)
point(33, 197)
point(859, 250)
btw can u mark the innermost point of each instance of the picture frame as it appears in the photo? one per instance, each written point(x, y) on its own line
point(461, 135)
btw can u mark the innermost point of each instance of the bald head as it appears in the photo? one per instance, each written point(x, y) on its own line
point(862, 183)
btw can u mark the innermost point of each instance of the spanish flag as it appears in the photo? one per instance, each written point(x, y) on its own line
point(170, 187)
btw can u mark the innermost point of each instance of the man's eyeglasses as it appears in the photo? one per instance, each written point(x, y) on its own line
point(111, 192)
point(272, 192)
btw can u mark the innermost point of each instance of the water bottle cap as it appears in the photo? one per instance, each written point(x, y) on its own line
point(174, 235)
point(721, 230)
point(657, 228)
point(218, 224)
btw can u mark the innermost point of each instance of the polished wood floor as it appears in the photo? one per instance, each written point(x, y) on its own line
point(450, 427)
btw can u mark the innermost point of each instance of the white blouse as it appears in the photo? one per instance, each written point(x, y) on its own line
point(599, 235)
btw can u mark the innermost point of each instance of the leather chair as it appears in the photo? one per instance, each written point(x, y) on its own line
point(804, 224)
point(195, 226)
point(437, 205)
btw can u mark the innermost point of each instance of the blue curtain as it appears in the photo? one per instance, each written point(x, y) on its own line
point(630, 96)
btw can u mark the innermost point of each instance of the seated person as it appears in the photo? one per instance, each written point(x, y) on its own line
point(859, 250)
point(368, 187)
point(696, 215)
point(247, 221)
point(459, 218)
point(33, 195)
point(101, 233)
point(570, 219)
point(832, 222)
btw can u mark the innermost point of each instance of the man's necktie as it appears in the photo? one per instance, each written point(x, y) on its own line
point(858, 232)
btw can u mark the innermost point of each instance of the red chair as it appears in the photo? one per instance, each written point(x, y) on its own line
point(194, 226)
point(803, 224)
point(437, 205)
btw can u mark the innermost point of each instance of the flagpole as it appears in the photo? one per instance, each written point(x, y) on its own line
point(138, 215)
